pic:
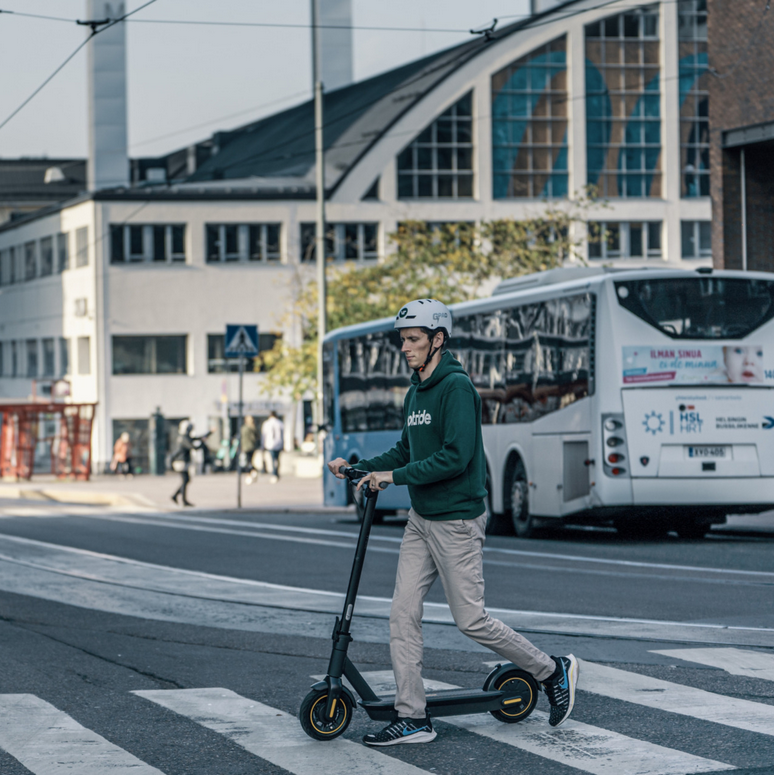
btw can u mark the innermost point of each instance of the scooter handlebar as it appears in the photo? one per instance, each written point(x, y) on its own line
point(355, 475)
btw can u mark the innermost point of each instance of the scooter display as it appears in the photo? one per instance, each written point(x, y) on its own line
point(509, 694)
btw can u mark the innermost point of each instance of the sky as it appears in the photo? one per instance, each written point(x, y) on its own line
point(186, 81)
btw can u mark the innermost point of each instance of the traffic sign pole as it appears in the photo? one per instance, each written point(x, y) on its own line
point(241, 340)
point(239, 432)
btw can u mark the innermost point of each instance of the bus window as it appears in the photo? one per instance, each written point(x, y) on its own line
point(700, 307)
point(328, 386)
point(547, 348)
point(478, 344)
point(373, 381)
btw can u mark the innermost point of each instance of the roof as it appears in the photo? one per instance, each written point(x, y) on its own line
point(355, 117)
point(24, 180)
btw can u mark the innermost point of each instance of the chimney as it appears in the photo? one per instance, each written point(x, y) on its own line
point(336, 44)
point(108, 165)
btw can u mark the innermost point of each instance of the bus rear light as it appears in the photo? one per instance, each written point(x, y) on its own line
point(614, 458)
point(612, 425)
point(617, 471)
point(614, 441)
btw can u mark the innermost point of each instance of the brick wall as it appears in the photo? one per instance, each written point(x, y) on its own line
point(741, 54)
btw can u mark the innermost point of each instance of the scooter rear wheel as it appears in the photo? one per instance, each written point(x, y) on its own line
point(522, 691)
point(314, 720)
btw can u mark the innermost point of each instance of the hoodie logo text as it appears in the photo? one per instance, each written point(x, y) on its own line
point(419, 418)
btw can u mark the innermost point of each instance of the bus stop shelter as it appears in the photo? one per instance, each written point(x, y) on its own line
point(45, 437)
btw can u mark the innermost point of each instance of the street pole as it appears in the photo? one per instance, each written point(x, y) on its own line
point(239, 431)
point(319, 244)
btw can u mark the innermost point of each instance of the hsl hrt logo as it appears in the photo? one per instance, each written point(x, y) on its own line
point(690, 422)
point(420, 418)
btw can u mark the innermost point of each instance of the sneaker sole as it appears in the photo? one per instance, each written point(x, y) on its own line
point(572, 678)
point(417, 737)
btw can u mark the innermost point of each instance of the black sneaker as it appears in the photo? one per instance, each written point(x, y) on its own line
point(560, 688)
point(404, 730)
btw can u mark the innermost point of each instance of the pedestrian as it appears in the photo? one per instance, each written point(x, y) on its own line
point(181, 458)
point(440, 456)
point(122, 456)
point(249, 445)
point(273, 441)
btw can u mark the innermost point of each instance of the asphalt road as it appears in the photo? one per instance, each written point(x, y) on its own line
point(175, 605)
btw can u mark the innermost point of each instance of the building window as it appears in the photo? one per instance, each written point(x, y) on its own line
point(4, 273)
point(611, 240)
point(2, 361)
point(373, 192)
point(149, 355)
point(49, 366)
point(161, 243)
point(696, 238)
point(82, 246)
point(439, 162)
point(694, 98)
point(64, 356)
point(30, 261)
point(46, 256)
point(623, 111)
point(14, 359)
point(243, 242)
point(343, 241)
point(217, 363)
point(63, 252)
point(529, 125)
point(12, 273)
point(32, 358)
point(84, 355)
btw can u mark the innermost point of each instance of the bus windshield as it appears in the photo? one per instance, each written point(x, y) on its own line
point(701, 307)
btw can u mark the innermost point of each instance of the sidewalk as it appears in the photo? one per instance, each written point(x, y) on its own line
point(213, 491)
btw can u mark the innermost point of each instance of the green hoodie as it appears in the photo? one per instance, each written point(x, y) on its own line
point(440, 455)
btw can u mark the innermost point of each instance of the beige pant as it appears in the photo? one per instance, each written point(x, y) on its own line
point(454, 551)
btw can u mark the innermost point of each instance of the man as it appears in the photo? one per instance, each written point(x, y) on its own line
point(440, 456)
point(273, 441)
point(249, 445)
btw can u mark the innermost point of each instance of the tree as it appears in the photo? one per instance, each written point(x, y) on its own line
point(452, 262)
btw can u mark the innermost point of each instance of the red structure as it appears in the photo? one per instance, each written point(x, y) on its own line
point(66, 438)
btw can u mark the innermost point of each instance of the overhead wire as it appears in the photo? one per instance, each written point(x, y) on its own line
point(69, 58)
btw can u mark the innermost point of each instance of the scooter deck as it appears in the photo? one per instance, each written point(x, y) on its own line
point(445, 702)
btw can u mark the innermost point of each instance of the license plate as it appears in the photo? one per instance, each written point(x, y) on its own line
point(708, 452)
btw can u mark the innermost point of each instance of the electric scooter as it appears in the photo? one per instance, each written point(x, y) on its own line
point(509, 694)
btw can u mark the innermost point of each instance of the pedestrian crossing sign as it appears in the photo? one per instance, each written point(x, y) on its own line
point(241, 340)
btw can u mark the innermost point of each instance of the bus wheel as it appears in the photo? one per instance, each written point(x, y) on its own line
point(518, 492)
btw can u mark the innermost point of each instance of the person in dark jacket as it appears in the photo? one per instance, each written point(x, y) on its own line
point(440, 456)
point(181, 459)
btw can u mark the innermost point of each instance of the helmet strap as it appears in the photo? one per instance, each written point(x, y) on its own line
point(430, 354)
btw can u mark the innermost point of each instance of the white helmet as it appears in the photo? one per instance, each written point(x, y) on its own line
point(425, 313)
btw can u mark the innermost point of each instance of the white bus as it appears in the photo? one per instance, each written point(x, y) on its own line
point(638, 398)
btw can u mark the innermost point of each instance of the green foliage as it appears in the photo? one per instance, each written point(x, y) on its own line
point(452, 262)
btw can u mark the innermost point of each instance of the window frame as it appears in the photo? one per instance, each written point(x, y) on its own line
point(427, 145)
point(151, 341)
point(244, 234)
point(696, 239)
point(624, 229)
point(123, 251)
point(81, 247)
point(336, 241)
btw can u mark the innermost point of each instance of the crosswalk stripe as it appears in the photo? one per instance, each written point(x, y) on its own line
point(275, 736)
point(752, 664)
point(582, 746)
point(49, 742)
point(676, 698)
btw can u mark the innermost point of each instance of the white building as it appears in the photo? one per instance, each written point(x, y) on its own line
point(127, 290)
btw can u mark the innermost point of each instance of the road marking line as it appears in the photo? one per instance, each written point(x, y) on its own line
point(275, 736)
point(49, 742)
point(150, 577)
point(752, 664)
point(676, 698)
point(575, 744)
point(185, 522)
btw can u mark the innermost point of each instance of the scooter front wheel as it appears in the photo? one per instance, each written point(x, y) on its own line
point(521, 691)
point(316, 723)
